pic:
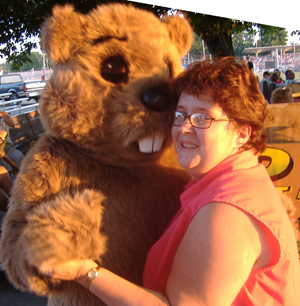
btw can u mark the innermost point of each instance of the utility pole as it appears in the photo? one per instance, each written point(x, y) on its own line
point(44, 71)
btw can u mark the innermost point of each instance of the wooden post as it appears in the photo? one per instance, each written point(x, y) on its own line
point(282, 155)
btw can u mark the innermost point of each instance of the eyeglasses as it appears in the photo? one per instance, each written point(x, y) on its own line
point(198, 120)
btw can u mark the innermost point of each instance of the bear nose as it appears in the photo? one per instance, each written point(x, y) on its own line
point(157, 98)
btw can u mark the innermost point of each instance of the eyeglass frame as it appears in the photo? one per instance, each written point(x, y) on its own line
point(210, 119)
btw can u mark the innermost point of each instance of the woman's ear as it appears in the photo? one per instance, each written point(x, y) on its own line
point(243, 134)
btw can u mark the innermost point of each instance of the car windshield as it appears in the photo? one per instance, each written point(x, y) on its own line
point(10, 79)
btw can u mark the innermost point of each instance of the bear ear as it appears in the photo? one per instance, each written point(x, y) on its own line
point(62, 34)
point(180, 32)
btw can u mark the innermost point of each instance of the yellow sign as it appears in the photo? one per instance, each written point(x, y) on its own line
point(282, 155)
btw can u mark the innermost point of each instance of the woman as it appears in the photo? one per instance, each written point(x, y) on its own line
point(280, 80)
point(276, 77)
point(231, 243)
point(275, 82)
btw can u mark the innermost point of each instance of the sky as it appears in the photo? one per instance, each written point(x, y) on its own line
point(281, 14)
point(284, 15)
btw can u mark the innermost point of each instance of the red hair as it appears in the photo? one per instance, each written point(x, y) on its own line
point(233, 87)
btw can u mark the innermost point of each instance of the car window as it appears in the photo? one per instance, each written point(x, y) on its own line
point(10, 79)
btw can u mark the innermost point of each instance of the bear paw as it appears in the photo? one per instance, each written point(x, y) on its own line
point(67, 228)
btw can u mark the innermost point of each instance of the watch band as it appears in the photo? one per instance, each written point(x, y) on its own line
point(92, 275)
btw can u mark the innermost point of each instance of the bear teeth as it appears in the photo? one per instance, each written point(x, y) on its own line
point(151, 144)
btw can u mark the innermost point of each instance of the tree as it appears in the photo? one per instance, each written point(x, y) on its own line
point(35, 62)
point(241, 41)
point(278, 38)
point(196, 50)
point(20, 21)
point(217, 31)
point(6, 67)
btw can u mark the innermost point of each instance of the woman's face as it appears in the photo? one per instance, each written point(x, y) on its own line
point(276, 76)
point(200, 150)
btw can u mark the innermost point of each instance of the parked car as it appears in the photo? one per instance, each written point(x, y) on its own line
point(34, 89)
point(13, 84)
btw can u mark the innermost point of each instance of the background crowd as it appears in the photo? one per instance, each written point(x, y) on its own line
point(285, 61)
point(277, 89)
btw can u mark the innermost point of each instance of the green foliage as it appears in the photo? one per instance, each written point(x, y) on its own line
point(35, 62)
point(6, 67)
point(278, 38)
point(241, 41)
point(196, 50)
point(20, 21)
point(208, 26)
point(217, 31)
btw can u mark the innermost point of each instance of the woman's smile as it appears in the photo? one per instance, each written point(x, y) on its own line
point(188, 145)
point(201, 149)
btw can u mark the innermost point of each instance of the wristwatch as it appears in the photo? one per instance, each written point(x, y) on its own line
point(92, 275)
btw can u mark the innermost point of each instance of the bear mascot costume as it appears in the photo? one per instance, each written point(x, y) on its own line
point(103, 181)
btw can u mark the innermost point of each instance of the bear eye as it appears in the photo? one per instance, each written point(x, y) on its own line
point(114, 69)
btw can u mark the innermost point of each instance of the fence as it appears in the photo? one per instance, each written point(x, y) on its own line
point(26, 115)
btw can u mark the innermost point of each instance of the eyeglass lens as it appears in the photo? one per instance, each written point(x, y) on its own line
point(197, 119)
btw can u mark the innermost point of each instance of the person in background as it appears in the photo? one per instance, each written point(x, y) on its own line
point(280, 81)
point(281, 95)
point(264, 85)
point(6, 182)
point(250, 63)
point(274, 82)
point(275, 78)
point(10, 151)
point(231, 242)
point(290, 77)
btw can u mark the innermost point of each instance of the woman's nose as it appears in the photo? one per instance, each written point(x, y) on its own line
point(186, 126)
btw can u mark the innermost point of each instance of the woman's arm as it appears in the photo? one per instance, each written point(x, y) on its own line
point(109, 287)
point(116, 291)
point(215, 258)
point(7, 119)
point(213, 262)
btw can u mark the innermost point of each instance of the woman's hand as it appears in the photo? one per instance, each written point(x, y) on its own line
point(70, 270)
point(4, 114)
point(7, 119)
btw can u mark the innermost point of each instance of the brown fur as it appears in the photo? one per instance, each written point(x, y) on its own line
point(291, 209)
point(85, 190)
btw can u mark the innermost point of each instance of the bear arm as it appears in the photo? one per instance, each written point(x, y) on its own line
point(59, 230)
point(64, 229)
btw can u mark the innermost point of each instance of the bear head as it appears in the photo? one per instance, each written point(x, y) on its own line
point(110, 90)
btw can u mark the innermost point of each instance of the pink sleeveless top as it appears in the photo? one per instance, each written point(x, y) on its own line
point(243, 182)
